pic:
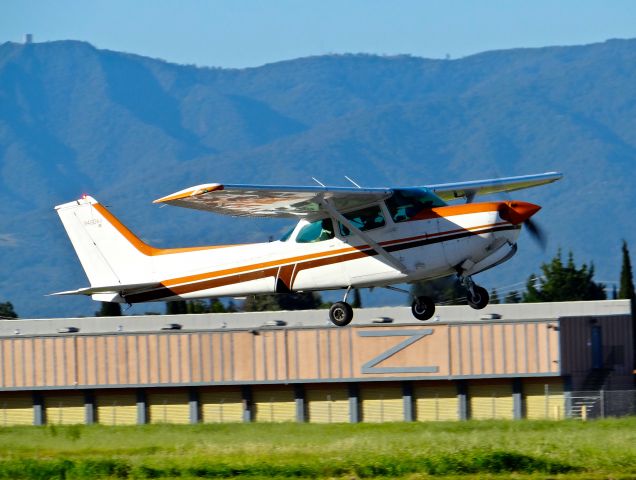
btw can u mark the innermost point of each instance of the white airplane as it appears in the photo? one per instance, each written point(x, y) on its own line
point(345, 238)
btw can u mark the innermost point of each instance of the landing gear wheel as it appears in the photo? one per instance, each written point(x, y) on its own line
point(423, 308)
point(341, 314)
point(478, 298)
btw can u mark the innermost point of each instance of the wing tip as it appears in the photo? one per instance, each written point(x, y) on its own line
point(190, 192)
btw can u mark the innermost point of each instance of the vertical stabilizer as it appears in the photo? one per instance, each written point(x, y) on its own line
point(109, 253)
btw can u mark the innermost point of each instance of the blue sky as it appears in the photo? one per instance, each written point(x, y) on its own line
point(251, 33)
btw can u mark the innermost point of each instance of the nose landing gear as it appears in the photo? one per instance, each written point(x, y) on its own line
point(341, 313)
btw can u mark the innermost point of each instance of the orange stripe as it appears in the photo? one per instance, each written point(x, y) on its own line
point(144, 247)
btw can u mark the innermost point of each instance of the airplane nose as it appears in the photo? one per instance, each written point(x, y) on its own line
point(517, 212)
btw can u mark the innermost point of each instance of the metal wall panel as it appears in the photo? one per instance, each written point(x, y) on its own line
point(617, 351)
point(274, 404)
point(116, 408)
point(16, 409)
point(490, 401)
point(435, 401)
point(431, 351)
point(327, 403)
point(168, 406)
point(64, 409)
point(382, 403)
point(220, 405)
point(544, 399)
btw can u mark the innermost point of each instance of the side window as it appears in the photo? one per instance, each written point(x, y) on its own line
point(316, 231)
point(405, 204)
point(365, 219)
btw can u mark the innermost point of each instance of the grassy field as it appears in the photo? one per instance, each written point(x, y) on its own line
point(492, 449)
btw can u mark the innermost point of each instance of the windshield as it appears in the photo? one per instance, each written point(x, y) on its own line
point(316, 231)
point(406, 203)
point(285, 237)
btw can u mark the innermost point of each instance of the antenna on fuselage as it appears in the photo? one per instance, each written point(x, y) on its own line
point(358, 186)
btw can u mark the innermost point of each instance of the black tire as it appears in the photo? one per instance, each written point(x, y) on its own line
point(341, 314)
point(479, 299)
point(423, 308)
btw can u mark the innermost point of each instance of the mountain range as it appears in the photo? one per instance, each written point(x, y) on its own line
point(128, 129)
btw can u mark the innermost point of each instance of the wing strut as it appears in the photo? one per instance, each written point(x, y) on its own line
point(375, 245)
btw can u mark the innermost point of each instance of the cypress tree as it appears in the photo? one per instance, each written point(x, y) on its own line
point(626, 289)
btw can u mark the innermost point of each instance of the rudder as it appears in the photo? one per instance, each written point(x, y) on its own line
point(108, 251)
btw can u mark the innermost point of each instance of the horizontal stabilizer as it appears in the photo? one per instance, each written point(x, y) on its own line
point(117, 289)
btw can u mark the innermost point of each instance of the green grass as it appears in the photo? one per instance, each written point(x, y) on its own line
point(493, 449)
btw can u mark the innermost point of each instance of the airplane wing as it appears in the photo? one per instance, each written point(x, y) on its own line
point(272, 201)
point(468, 190)
point(294, 201)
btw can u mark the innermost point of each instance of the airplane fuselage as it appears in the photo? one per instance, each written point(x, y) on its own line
point(437, 242)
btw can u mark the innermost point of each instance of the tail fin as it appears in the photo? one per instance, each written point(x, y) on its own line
point(109, 253)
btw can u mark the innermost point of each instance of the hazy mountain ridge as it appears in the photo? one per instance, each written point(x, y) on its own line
point(129, 129)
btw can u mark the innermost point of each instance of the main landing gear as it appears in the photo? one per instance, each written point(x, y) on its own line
point(476, 296)
point(422, 308)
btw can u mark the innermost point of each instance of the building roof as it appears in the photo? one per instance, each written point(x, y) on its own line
point(313, 318)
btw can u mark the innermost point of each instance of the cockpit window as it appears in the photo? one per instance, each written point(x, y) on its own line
point(407, 203)
point(316, 231)
point(285, 237)
point(365, 219)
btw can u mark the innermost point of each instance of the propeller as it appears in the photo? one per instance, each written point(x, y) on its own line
point(537, 233)
point(521, 212)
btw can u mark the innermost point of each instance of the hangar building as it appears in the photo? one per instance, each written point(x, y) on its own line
point(507, 361)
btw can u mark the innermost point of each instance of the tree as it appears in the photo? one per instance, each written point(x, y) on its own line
point(494, 297)
point(216, 306)
point(512, 297)
point(357, 299)
point(176, 307)
point(626, 289)
point(197, 306)
point(231, 307)
point(442, 290)
point(109, 309)
point(7, 311)
point(261, 303)
point(560, 283)
point(282, 301)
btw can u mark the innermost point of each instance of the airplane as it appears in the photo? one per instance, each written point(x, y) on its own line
point(345, 238)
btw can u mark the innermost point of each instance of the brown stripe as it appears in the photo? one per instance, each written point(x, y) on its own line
point(273, 272)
